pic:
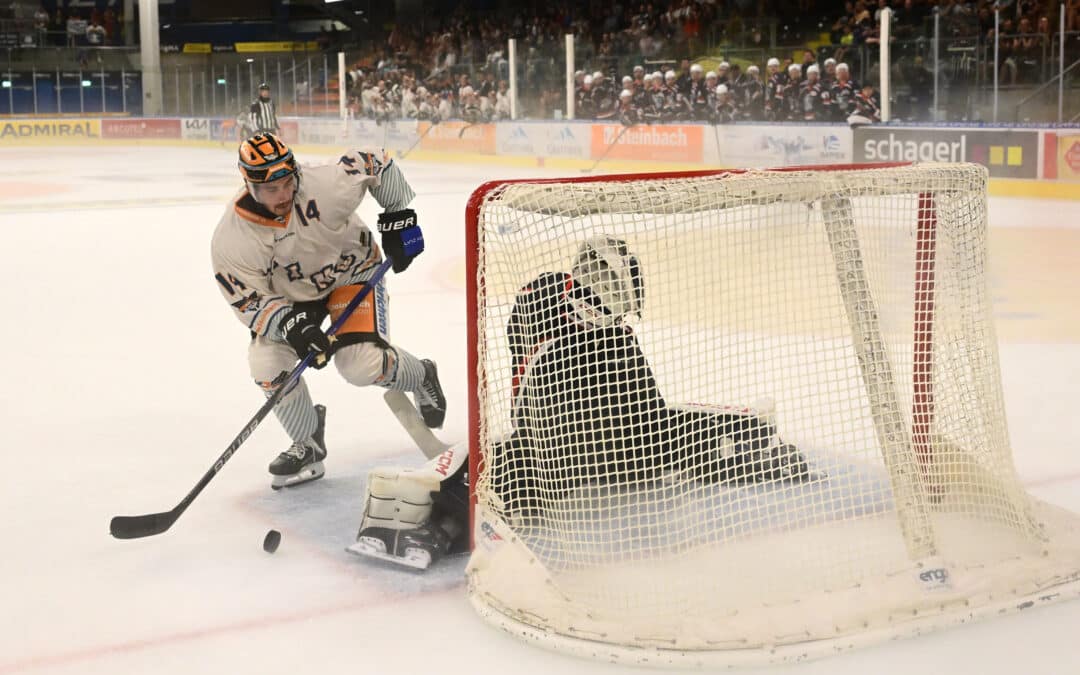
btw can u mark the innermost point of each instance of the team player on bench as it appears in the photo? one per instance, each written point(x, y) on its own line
point(586, 408)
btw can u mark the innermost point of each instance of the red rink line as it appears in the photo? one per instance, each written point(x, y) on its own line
point(120, 648)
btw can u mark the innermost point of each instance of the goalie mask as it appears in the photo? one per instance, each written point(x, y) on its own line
point(611, 279)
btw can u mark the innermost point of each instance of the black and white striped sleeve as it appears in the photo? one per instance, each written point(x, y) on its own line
point(393, 192)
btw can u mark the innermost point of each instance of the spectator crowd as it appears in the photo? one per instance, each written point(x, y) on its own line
point(635, 71)
point(794, 92)
point(787, 92)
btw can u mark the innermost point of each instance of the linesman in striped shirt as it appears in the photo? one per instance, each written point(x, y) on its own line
point(263, 115)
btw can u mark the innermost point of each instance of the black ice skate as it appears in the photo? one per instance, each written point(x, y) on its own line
point(430, 399)
point(417, 548)
point(303, 461)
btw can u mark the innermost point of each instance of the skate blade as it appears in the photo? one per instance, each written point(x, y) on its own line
point(414, 558)
point(306, 475)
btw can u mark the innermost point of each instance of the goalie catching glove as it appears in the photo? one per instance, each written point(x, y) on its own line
point(413, 517)
point(402, 238)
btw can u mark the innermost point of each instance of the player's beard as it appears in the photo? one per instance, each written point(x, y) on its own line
point(281, 207)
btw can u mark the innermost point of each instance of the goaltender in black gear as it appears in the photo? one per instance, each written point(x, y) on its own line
point(586, 408)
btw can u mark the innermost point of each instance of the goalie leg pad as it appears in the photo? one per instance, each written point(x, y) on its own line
point(414, 517)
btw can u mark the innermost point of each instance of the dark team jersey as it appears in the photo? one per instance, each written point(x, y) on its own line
point(751, 98)
point(698, 96)
point(586, 406)
point(604, 101)
point(774, 96)
point(725, 113)
point(583, 105)
point(791, 103)
point(816, 102)
point(868, 107)
point(843, 98)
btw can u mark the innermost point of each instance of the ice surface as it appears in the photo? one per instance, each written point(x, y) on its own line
point(126, 377)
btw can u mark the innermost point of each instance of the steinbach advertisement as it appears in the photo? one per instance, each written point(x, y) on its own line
point(661, 143)
point(1007, 153)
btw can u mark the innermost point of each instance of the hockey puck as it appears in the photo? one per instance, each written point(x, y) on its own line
point(271, 541)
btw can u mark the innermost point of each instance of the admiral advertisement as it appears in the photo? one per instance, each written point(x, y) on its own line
point(658, 143)
point(40, 129)
point(543, 140)
point(1007, 153)
point(765, 146)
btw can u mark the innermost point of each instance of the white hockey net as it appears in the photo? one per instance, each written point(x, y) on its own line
point(848, 309)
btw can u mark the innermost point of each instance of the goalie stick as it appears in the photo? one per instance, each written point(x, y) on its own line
point(135, 527)
point(406, 414)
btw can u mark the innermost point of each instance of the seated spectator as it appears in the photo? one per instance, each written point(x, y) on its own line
point(95, 34)
point(1028, 51)
point(76, 30)
point(41, 25)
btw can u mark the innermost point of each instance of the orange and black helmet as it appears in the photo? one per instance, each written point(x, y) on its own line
point(264, 157)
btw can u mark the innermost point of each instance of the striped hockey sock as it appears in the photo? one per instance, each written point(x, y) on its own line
point(406, 371)
point(297, 414)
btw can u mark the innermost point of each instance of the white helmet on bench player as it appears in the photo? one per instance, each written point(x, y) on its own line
point(611, 278)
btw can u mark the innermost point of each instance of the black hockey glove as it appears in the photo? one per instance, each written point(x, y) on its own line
point(301, 330)
point(402, 238)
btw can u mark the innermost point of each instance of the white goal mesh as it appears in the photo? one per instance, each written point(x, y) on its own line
point(798, 443)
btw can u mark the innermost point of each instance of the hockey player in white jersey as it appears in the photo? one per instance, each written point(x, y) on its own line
point(289, 251)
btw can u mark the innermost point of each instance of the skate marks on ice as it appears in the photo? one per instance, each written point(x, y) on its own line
point(321, 518)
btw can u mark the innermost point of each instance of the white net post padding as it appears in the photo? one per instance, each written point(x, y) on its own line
point(625, 503)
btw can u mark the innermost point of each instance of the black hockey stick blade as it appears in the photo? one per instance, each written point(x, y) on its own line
point(135, 527)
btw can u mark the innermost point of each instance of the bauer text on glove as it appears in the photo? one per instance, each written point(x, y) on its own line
point(300, 328)
point(402, 239)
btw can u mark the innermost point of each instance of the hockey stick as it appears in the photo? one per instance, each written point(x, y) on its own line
point(465, 128)
point(417, 141)
point(613, 144)
point(409, 418)
point(135, 527)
